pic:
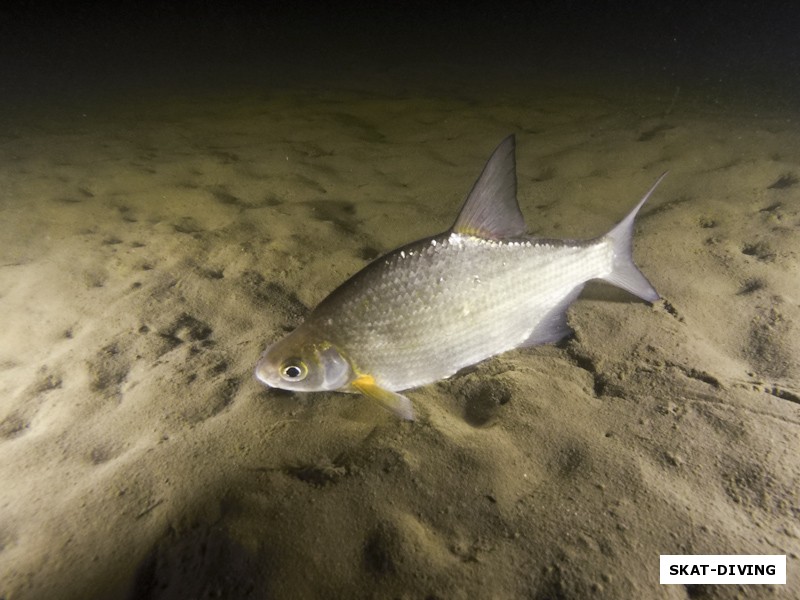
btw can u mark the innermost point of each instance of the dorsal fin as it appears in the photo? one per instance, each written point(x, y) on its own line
point(491, 210)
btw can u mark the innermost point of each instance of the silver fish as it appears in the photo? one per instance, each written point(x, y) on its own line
point(428, 309)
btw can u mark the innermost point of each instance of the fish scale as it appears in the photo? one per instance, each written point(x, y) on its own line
point(402, 327)
point(428, 309)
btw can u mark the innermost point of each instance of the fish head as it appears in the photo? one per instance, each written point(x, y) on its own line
point(301, 363)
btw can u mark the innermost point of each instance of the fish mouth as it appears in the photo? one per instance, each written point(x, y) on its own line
point(261, 373)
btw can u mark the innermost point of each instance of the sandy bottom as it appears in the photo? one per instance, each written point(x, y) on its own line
point(149, 252)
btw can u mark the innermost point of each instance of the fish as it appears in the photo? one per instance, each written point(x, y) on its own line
point(431, 308)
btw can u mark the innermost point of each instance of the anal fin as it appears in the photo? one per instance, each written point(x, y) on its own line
point(553, 326)
point(395, 403)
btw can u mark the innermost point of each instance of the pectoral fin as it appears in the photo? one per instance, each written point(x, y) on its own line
point(395, 403)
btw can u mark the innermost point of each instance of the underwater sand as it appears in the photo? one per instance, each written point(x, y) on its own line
point(149, 252)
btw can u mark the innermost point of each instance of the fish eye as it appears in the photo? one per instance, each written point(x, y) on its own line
point(294, 370)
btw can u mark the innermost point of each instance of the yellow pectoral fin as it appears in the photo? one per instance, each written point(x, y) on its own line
point(391, 401)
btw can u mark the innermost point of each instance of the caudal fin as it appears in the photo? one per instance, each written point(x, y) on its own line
point(625, 273)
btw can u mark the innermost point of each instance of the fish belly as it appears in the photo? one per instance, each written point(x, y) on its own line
point(425, 311)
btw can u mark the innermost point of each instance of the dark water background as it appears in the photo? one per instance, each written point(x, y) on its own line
point(58, 52)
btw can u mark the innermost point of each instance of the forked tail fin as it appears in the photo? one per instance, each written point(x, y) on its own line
point(625, 273)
